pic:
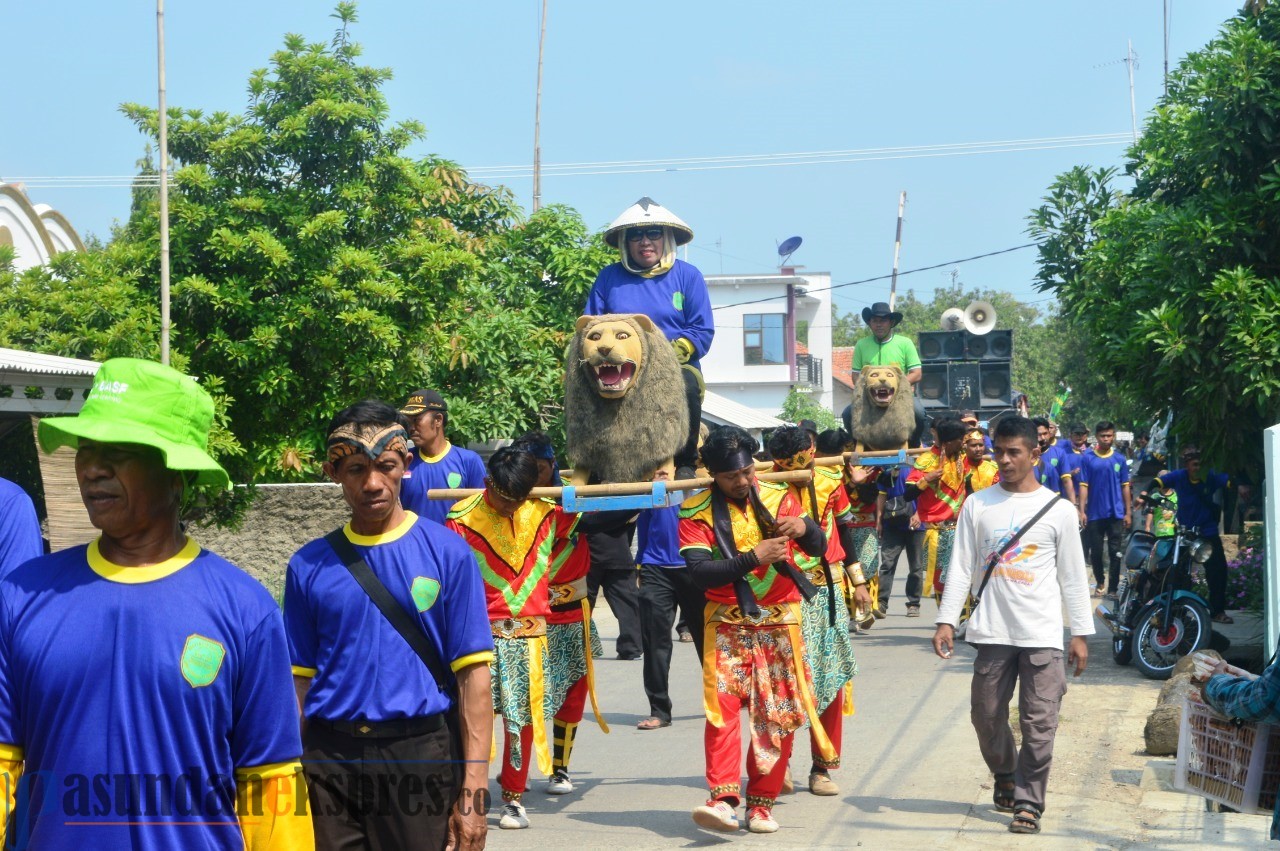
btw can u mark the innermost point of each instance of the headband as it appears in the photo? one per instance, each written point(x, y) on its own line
point(737, 459)
point(800, 461)
point(975, 432)
point(492, 486)
point(371, 439)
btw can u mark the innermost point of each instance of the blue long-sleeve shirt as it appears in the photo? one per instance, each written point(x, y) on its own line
point(677, 302)
point(1249, 700)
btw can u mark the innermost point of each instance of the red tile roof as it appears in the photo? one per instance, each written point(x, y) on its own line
point(842, 365)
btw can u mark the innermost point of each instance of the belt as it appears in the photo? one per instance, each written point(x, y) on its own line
point(781, 614)
point(530, 626)
point(944, 524)
point(818, 577)
point(568, 592)
point(393, 729)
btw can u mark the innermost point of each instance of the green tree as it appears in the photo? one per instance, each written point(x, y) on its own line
point(315, 263)
point(1174, 283)
point(845, 327)
point(797, 406)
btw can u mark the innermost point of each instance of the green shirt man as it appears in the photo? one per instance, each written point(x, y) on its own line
point(883, 346)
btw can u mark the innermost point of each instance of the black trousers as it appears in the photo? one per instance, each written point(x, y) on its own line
point(894, 540)
point(662, 591)
point(621, 591)
point(369, 793)
point(688, 456)
point(1105, 545)
point(1215, 575)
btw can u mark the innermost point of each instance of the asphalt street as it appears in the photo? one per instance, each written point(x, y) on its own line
point(912, 775)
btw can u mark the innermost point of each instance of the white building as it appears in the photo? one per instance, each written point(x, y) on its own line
point(36, 231)
point(755, 358)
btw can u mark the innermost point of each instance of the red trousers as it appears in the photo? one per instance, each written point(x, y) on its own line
point(723, 747)
point(514, 781)
point(565, 724)
point(575, 701)
point(833, 724)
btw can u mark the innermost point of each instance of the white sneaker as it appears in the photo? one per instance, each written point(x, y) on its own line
point(760, 820)
point(513, 816)
point(559, 783)
point(716, 815)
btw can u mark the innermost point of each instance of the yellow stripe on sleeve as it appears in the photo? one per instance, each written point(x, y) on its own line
point(483, 657)
point(299, 671)
point(11, 752)
point(271, 769)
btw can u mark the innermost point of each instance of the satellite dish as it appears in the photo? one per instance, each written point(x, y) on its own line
point(979, 317)
point(952, 319)
point(788, 247)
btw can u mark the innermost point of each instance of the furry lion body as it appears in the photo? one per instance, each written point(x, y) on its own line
point(875, 427)
point(624, 439)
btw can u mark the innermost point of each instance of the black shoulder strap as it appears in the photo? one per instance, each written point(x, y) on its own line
point(995, 557)
point(395, 614)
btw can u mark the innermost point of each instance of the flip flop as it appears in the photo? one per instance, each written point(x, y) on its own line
point(1224, 618)
point(652, 723)
point(1026, 819)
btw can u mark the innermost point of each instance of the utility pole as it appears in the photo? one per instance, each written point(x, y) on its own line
point(537, 118)
point(897, 249)
point(1131, 60)
point(164, 189)
point(1166, 47)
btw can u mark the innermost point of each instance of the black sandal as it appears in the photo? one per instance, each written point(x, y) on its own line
point(1026, 818)
point(1002, 796)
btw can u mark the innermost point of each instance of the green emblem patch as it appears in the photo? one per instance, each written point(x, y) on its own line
point(201, 660)
point(424, 591)
point(677, 299)
point(1116, 466)
point(454, 479)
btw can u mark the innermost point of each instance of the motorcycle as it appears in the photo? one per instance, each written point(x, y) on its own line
point(1158, 619)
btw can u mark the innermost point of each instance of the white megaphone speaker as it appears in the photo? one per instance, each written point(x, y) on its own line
point(952, 319)
point(979, 317)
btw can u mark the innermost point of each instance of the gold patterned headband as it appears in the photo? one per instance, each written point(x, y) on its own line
point(492, 486)
point(370, 439)
point(800, 461)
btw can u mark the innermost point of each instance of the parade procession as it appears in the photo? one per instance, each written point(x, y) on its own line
point(346, 503)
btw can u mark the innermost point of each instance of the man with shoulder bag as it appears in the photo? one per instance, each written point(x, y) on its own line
point(899, 530)
point(1017, 550)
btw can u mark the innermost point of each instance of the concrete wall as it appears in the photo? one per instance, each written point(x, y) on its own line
point(281, 519)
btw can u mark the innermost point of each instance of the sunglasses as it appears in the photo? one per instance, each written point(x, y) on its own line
point(637, 234)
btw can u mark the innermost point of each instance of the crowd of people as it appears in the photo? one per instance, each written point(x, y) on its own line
point(146, 696)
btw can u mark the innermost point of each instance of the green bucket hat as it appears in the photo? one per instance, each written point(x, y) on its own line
point(141, 402)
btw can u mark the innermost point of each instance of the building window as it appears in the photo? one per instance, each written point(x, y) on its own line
point(762, 339)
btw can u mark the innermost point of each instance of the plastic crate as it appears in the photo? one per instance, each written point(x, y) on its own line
point(1236, 765)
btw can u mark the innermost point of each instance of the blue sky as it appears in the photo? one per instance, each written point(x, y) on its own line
point(628, 81)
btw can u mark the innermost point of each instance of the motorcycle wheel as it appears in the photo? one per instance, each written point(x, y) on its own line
point(1158, 647)
point(1121, 649)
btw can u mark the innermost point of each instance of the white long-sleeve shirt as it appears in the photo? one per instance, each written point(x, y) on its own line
point(1022, 604)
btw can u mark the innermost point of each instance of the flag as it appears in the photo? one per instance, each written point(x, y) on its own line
point(1059, 402)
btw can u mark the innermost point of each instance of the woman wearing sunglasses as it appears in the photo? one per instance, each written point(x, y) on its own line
point(649, 279)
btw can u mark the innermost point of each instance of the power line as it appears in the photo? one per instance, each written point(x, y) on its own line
point(884, 277)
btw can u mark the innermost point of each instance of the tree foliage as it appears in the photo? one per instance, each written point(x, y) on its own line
point(1175, 282)
point(315, 263)
point(797, 406)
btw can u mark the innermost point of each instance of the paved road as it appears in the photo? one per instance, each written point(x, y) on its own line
point(911, 777)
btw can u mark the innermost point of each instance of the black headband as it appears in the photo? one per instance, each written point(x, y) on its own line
point(735, 460)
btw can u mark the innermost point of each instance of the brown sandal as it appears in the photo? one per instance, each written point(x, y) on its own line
point(653, 722)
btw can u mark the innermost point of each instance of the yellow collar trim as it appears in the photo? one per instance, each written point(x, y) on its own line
point(126, 575)
point(435, 459)
point(1108, 455)
point(383, 538)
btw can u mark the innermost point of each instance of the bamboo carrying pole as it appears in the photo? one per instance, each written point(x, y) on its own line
point(622, 488)
point(850, 457)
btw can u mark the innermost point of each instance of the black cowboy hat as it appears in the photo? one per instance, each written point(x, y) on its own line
point(880, 308)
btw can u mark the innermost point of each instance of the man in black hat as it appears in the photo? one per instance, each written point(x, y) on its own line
point(884, 347)
point(434, 462)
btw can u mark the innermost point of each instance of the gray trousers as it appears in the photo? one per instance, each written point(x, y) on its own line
point(1042, 681)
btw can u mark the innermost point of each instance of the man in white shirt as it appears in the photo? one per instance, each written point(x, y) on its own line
point(1017, 628)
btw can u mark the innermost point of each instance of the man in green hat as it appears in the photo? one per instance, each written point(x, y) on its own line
point(145, 694)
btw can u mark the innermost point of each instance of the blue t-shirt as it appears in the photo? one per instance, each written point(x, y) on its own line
point(896, 486)
point(172, 676)
point(1104, 475)
point(362, 668)
point(19, 529)
point(1070, 461)
point(658, 534)
point(677, 302)
point(1196, 507)
point(1049, 470)
point(456, 468)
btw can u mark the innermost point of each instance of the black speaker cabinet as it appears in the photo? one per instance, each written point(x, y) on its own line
point(932, 387)
point(994, 345)
point(940, 345)
point(963, 383)
point(996, 385)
